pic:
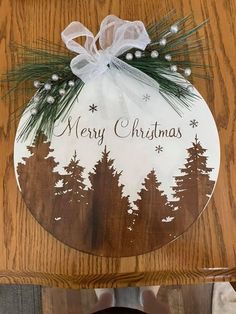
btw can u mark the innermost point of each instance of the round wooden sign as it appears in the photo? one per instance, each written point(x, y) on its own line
point(124, 174)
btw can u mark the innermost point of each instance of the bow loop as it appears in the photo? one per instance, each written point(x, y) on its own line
point(119, 35)
point(115, 37)
point(75, 30)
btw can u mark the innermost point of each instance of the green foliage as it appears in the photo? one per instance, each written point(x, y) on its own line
point(40, 64)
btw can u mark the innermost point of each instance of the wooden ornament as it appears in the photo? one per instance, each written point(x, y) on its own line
point(124, 174)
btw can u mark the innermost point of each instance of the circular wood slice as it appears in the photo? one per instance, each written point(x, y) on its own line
point(124, 174)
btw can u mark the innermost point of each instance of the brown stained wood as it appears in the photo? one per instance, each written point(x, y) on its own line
point(206, 252)
point(65, 301)
point(96, 220)
point(233, 284)
point(197, 298)
point(194, 299)
point(187, 299)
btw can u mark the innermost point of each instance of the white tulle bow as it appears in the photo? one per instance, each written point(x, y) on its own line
point(115, 37)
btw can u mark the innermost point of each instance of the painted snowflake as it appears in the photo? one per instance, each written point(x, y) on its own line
point(146, 97)
point(93, 108)
point(193, 123)
point(159, 149)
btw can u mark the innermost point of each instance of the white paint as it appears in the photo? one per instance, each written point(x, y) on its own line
point(168, 219)
point(133, 156)
point(57, 218)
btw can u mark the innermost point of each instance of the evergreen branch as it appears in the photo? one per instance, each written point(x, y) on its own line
point(40, 64)
point(48, 114)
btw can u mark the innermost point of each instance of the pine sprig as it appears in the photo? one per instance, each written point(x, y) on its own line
point(39, 64)
point(48, 114)
point(181, 48)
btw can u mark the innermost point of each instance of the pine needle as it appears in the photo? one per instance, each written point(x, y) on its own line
point(38, 64)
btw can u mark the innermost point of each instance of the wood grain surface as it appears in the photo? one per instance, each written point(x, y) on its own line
point(207, 251)
point(96, 220)
point(178, 299)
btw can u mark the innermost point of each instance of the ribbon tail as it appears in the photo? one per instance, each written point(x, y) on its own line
point(125, 76)
point(131, 84)
point(134, 73)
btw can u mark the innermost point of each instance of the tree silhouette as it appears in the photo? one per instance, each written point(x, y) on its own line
point(194, 187)
point(108, 206)
point(152, 208)
point(72, 189)
point(37, 177)
point(72, 205)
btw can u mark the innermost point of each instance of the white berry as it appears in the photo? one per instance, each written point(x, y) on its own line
point(162, 42)
point(55, 77)
point(173, 68)
point(129, 56)
point(37, 84)
point(168, 57)
point(47, 86)
point(50, 99)
point(154, 54)
point(138, 54)
point(174, 29)
point(187, 72)
point(71, 83)
point(62, 91)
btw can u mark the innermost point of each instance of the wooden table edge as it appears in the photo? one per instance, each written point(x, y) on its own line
point(114, 280)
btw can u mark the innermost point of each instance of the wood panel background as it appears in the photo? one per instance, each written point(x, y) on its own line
point(207, 251)
point(178, 299)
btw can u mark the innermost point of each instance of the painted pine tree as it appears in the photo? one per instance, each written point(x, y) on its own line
point(38, 189)
point(72, 205)
point(72, 190)
point(149, 229)
point(194, 186)
point(108, 207)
